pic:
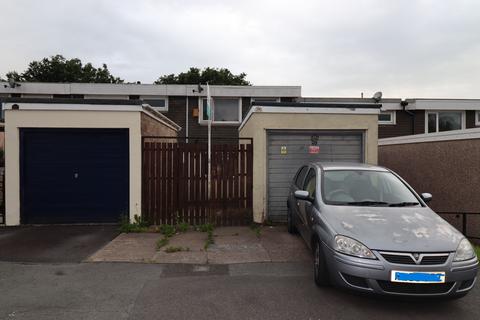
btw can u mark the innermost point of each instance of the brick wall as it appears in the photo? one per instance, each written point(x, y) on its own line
point(449, 170)
point(152, 127)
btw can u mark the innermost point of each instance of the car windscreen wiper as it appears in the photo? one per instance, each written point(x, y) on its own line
point(367, 203)
point(403, 204)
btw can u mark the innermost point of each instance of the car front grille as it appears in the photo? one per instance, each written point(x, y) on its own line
point(408, 258)
point(415, 288)
point(432, 260)
point(398, 259)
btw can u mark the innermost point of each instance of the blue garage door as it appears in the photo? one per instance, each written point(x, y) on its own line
point(73, 175)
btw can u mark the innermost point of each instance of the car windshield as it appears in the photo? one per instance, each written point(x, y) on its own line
point(365, 188)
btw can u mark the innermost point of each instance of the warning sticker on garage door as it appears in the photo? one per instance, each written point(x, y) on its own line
point(314, 149)
point(283, 150)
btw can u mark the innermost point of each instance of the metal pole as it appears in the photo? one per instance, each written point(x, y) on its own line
point(209, 110)
point(186, 115)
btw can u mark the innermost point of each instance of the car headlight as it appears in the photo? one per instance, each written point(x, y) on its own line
point(352, 247)
point(464, 251)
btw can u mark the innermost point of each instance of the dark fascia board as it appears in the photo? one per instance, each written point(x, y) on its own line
point(319, 105)
point(346, 100)
point(75, 101)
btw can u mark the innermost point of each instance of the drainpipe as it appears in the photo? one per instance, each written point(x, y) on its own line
point(404, 104)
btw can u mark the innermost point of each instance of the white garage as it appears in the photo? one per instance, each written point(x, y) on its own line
point(287, 135)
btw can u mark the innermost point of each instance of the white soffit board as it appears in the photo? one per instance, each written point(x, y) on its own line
point(446, 104)
point(465, 134)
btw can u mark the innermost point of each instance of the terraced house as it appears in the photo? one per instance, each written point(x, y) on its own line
point(79, 152)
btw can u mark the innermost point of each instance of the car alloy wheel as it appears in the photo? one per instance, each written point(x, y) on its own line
point(320, 267)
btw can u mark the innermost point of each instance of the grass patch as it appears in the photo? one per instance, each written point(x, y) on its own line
point(176, 249)
point(477, 250)
point(138, 225)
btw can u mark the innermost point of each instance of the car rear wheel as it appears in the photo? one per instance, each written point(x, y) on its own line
point(292, 229)
point(320, 266)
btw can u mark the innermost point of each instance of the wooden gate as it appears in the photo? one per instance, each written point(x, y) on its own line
point(175, 183)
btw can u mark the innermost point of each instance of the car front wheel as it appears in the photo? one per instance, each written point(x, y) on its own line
point(320, 266)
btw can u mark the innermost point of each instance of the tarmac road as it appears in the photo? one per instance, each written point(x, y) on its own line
point(239, 291)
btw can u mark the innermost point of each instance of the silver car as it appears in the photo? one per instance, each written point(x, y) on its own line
point(370, 231)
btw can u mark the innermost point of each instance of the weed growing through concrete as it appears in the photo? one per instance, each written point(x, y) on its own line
point(205, 227)
point(139, 224)
point(257, 229)
point(176, 249)
point(183, 226)
point(208, 228)
point(167, 230)
point(162, 242)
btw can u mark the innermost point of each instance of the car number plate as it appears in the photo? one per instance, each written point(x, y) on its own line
point(417, 277)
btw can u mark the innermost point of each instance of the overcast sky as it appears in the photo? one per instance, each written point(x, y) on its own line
point(405, 48)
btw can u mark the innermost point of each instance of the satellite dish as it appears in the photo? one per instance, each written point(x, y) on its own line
point(377, 96)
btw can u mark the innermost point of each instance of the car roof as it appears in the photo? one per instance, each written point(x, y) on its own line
point(347, 166)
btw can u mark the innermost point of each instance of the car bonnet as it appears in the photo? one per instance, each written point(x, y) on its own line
point(405, 229)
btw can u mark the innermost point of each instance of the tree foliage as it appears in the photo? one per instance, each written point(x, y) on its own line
point(58, 69)
point(213, 76)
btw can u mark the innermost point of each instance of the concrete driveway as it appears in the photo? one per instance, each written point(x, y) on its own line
point(54, 244)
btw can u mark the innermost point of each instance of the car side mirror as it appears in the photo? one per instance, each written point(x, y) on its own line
point(427, 197)
point(302, 195)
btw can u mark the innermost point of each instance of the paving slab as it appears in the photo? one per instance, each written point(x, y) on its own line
point(231, 245)
point(236, 245)
point(128, 247)
point(192, 242)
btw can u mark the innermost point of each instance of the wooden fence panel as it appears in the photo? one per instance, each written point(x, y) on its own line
point(175, 183)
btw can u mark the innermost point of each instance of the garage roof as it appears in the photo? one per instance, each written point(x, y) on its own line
point(300, 107)
point(87, 105)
